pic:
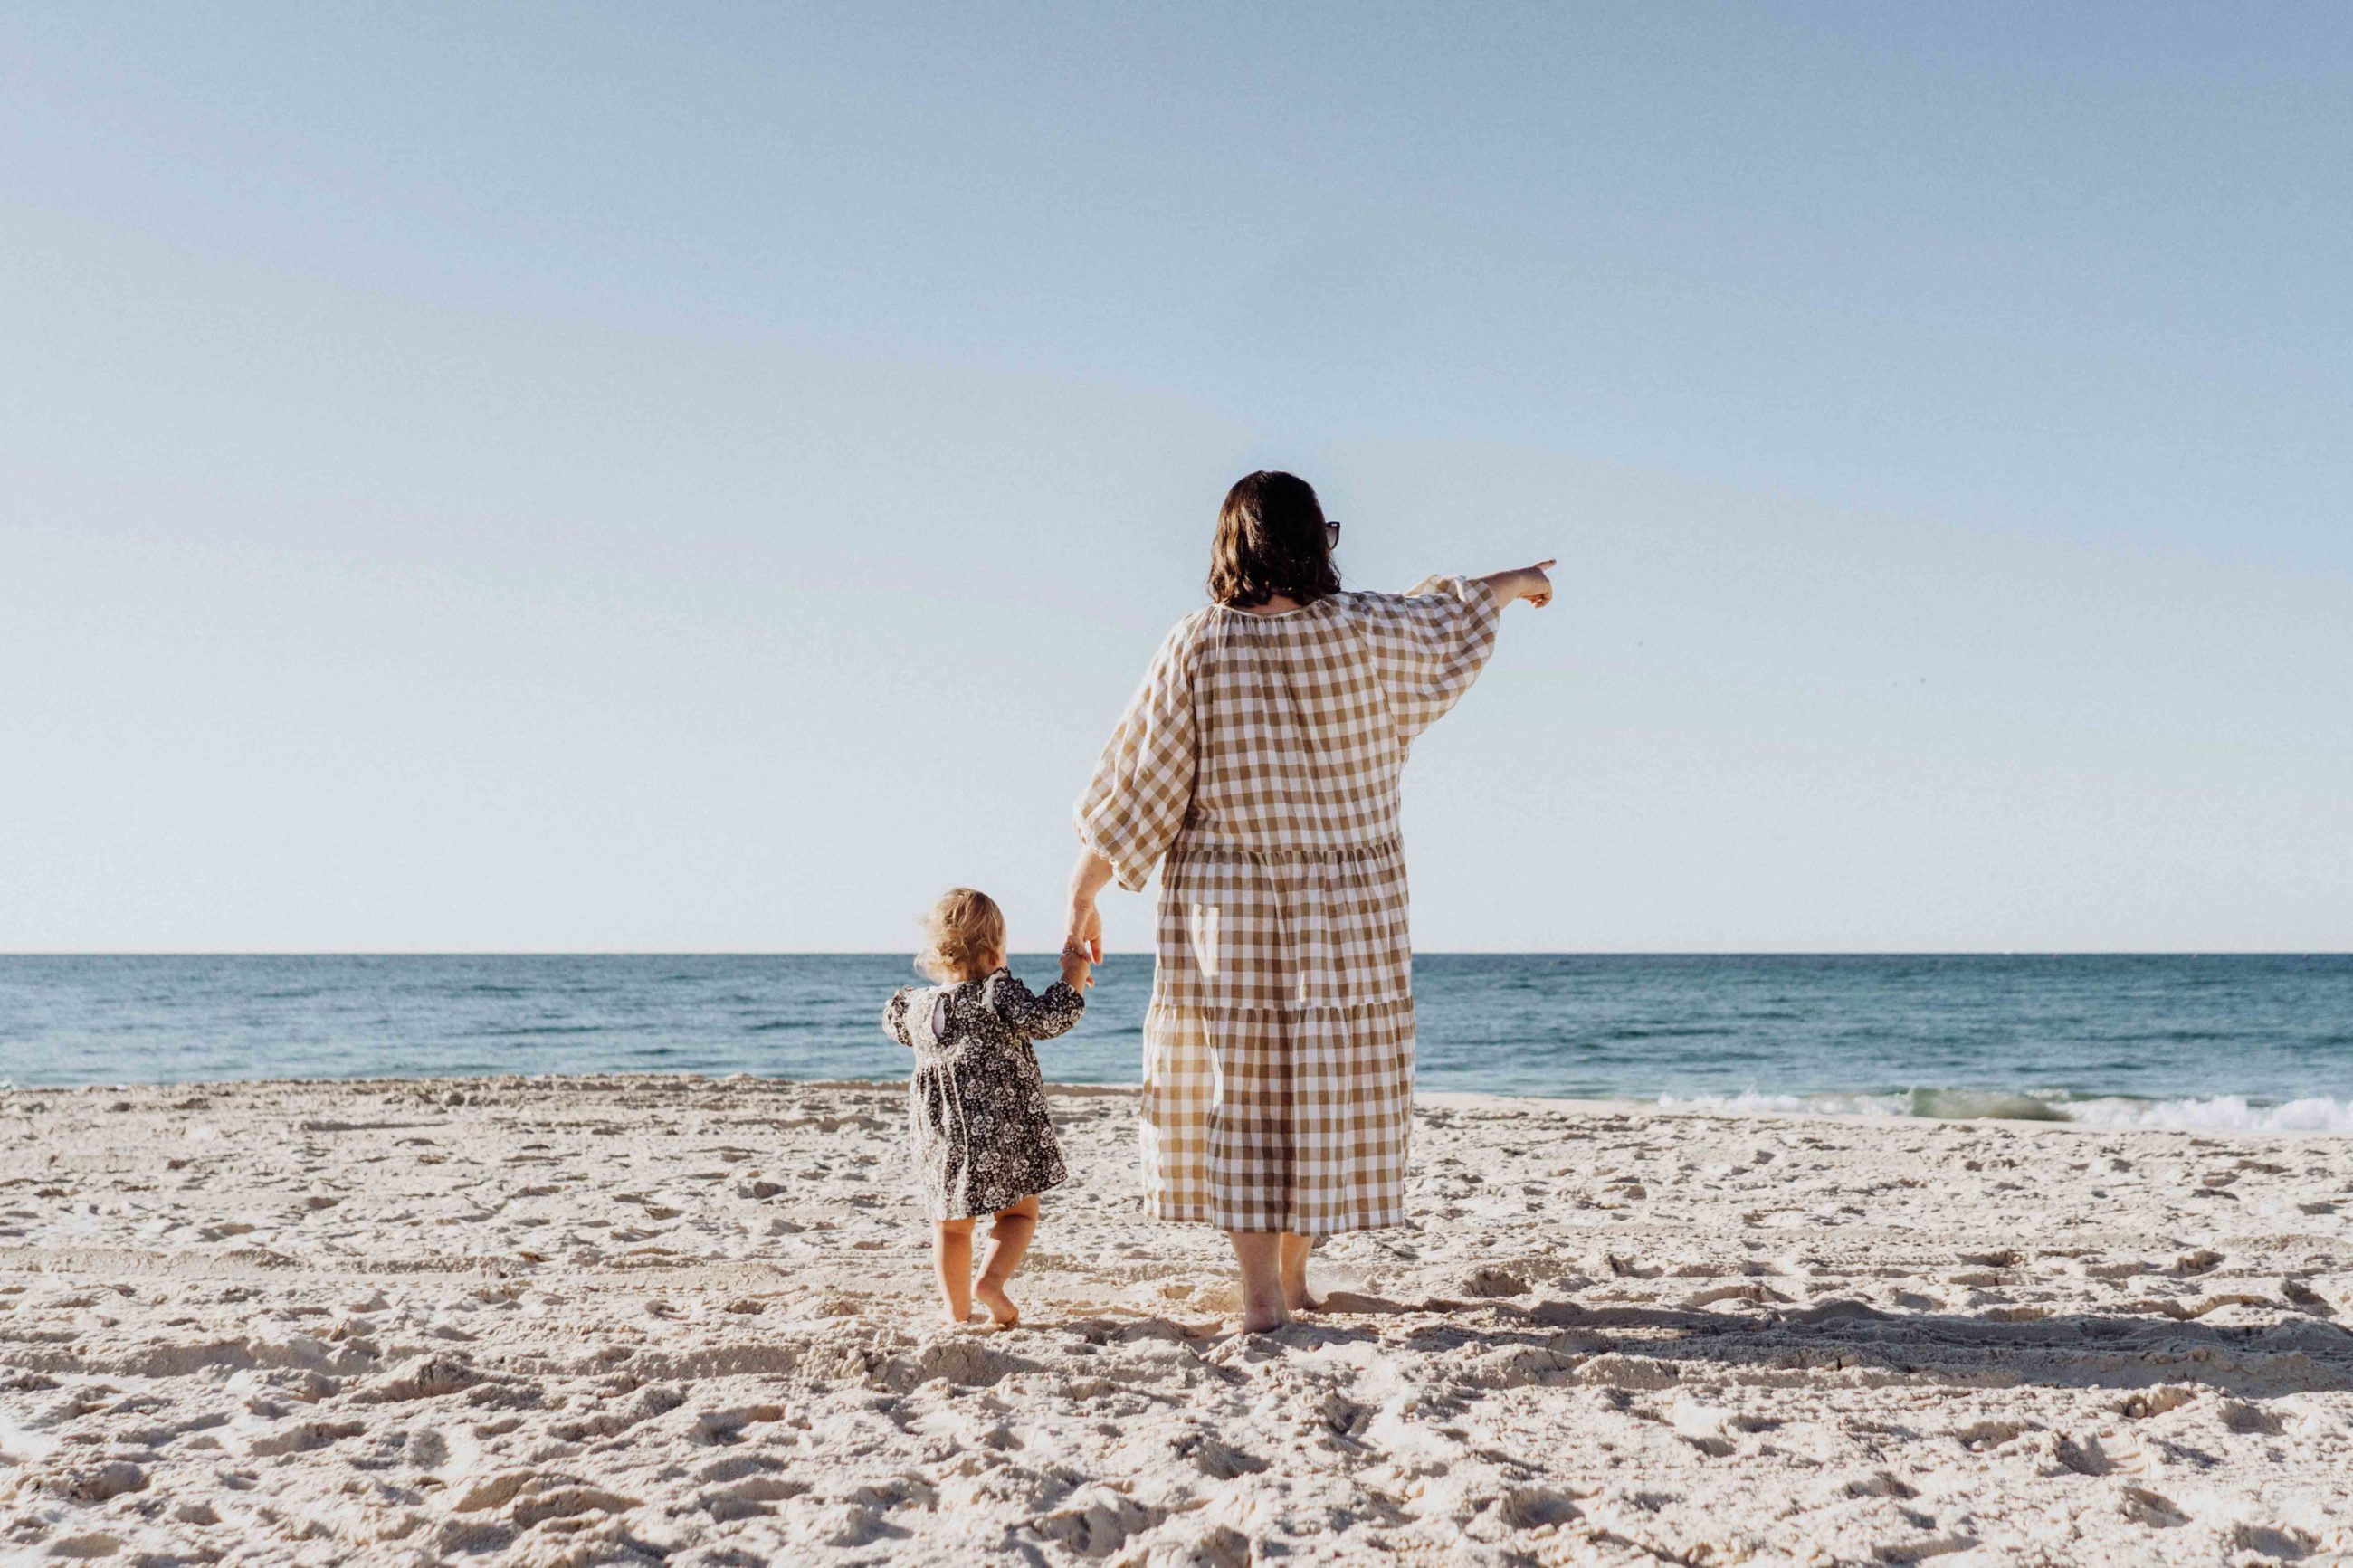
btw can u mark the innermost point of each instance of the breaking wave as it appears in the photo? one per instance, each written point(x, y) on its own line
point(2214, 1113)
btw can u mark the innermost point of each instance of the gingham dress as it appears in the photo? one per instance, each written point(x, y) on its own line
point(1261, 759)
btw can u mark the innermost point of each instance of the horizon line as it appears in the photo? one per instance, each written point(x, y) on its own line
point(1048, 953)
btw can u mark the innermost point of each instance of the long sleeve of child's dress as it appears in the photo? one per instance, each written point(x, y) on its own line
point(894, 1015)
point(1038, 1015)
point(1427, 645)
point(1136, 803)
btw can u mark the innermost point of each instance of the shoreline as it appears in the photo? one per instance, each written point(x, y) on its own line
point(2171, 1113)
point(640, 1317)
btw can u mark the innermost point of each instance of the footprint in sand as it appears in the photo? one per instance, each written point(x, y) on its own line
point(2086, 1457)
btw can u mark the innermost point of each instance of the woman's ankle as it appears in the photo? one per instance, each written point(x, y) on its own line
point(1259, 1255)
point(1264, 1311)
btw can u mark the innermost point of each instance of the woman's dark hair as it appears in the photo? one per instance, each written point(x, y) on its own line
point(1270, 543)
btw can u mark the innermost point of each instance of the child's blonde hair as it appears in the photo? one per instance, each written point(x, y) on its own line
point(961, 934)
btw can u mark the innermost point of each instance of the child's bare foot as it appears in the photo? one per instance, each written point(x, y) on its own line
point(1000, 1306)
point(1009, 1238)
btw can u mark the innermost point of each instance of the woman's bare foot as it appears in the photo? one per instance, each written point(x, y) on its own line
point(1000, 1306)
point(1264, 1308)
point(1259, 1253)
point(1295, 1294)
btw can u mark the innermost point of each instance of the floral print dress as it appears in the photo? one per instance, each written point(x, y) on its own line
point(976, 1102)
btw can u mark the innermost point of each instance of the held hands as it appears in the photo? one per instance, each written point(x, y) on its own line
point(1083, 935)
point(1082, 944)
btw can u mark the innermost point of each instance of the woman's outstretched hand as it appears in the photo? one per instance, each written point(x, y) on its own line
point(1535, 587)
point(1528, 583)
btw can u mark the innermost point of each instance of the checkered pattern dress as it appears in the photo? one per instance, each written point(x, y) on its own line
point(1259, 765)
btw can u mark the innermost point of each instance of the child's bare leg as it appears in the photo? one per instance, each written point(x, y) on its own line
point(952, 1260)
point(1295, 1248)
point(1009, 1238)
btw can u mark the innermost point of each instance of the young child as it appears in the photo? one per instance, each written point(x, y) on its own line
point(976, 1103)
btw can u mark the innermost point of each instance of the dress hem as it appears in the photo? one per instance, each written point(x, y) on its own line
point(1060, 1180)
point(1182, 1214)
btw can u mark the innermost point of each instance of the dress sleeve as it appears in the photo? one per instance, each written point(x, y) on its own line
point(1032, 1014)
point(1427, 645)
point(894, 1015)
point(1137, 801)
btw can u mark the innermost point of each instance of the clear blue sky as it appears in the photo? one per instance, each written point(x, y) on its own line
point(707, 477)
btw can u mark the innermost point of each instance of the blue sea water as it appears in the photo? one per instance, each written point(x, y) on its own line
point(2224, 1041)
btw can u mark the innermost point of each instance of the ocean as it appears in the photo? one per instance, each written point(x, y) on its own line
point(2222, 1042)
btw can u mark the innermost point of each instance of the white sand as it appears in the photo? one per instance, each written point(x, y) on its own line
point(604, 1319)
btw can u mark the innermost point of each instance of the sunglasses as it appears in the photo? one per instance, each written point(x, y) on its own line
point(1332, 532)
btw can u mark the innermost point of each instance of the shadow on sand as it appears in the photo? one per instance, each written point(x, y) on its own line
point(1652, 1346)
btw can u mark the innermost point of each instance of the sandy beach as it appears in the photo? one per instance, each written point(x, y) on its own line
point(622, 1319)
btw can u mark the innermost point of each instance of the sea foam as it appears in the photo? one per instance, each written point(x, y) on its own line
point(2215, 1113)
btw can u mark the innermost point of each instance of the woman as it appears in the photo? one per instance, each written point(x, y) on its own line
point(1260, 757)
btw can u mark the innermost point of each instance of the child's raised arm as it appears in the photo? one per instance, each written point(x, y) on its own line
point(1032, 1015)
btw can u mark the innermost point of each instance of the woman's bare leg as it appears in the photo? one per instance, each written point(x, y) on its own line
point(1009, 1238)
point(1295, 1248)
point(1260, 1253)
point(952, 1261)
